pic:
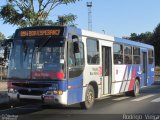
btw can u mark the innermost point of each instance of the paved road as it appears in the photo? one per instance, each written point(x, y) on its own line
point(144, 107)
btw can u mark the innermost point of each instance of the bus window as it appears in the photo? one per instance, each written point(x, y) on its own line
point(136, 55)
point(127, 54)
point(71, 58)
point(118, 53)
point(150, 56)
point(75, 57)
point(92, 51)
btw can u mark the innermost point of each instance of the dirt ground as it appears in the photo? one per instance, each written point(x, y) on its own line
point(3, 86)
point(157, 73)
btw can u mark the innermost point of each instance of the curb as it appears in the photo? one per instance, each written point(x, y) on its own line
point(157, 82)
point(3, 97)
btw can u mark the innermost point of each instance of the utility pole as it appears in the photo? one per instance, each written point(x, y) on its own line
point(89, 5)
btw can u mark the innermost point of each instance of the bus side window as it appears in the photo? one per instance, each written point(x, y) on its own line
point(150, 56)
point(93, 51)
point(136, 55)
point(118, 53)
point(75, 57)
point(127, 54)
point(71, 59)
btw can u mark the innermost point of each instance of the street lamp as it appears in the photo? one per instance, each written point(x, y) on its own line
point(103, 31)
point(89, 5)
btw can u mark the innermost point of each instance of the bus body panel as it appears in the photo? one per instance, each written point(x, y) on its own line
point(75, 88)
point(125, 76)
point(151, 69)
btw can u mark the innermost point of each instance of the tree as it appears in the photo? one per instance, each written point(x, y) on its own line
point(156, 43)
point(143, 37)
point(2, 37)
point(66, 19)
point(24, 13)
point(133, 35)
point(152, 38)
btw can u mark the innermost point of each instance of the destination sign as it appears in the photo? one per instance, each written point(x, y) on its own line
point(36, 33)
point(39, 31)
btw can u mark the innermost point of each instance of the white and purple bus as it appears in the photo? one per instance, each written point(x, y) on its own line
point(66, 65)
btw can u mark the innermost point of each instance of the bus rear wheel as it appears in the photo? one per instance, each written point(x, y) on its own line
point(136, 90)
point(89, 98)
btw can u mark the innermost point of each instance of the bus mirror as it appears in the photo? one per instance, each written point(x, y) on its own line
point(76, 47)
point(7, 42)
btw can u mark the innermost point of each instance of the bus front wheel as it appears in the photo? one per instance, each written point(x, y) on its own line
point(89, 98)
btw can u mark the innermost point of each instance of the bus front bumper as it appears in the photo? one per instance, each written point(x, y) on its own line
point(17, 96)
point(55, 99)
point(47, 99)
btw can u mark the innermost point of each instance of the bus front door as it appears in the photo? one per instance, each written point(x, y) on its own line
point(144, 64)
point(106, 69)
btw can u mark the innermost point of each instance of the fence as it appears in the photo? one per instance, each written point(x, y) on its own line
point(3, 73)
point(157, 73)
point(3, 78)
point(3, 86)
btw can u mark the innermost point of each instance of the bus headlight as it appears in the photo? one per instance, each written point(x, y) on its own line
point(12, 90)
point(59, 92)
point(54, 92)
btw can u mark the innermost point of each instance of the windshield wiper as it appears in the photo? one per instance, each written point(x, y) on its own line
point(45, 42)
point(25, 48)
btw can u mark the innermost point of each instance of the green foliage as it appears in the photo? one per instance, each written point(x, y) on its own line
point(156, 32)
point(66, 20)
point(24, 13)
point(143, 37)
point(152, 38)
point(2, 37)
point(156, 42)
point(134, 35)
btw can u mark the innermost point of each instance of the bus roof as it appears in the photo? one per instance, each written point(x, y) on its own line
point(134, 43)
point(90, 34)
point(115, 39)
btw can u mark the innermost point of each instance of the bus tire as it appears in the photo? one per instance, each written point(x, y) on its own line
point(89, 98)
point(136, 89)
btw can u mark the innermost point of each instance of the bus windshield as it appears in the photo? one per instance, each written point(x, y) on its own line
point(37, 59)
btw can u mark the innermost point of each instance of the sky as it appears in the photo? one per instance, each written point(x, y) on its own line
point(116, 17)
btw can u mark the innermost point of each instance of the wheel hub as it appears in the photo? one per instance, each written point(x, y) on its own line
point(89, 97)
